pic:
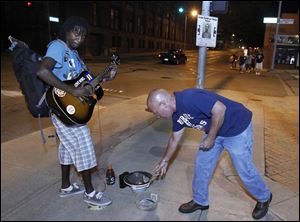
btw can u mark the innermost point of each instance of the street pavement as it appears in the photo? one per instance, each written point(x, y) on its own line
point(132, 139)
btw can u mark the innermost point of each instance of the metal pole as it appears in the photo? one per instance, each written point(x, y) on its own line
point(202, 51)
point(275, 37)
point(185, 20)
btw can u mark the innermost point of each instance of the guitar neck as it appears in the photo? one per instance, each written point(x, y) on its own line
point(100, 76)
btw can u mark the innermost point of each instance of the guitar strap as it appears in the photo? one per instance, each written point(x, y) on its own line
point(67, 55)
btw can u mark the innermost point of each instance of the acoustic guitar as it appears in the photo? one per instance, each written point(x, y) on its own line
point(72, 110)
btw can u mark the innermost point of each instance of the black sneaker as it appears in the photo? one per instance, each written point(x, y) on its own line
point(261, 209)
point(191, 207)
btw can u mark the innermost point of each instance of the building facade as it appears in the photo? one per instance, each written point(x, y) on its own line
point(287, 49)
point(123, 26)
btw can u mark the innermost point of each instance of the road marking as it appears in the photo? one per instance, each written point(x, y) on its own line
point(113, 90)
point(11, 93)
point(101, 107)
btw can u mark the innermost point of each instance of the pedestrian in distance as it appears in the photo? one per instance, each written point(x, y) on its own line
point(233, 60)
point(227, 125)
point(61, 63)
point(259, 62)
point(253, 62)
point(242, 60)
point(248, 63)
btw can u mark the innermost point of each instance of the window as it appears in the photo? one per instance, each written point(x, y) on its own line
point(140, 25)
point(115, 22)
point(116, 41)
point(94, 13)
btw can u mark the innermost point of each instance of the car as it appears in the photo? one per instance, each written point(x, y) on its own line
point(173, 56)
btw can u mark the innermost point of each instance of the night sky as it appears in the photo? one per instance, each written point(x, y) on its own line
point(245, 19)
point(290, 6)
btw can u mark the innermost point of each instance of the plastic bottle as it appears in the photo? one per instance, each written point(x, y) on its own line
point(110, 175)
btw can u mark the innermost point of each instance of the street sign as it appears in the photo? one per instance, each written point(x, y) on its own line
point(287, 21)
point(281, 21)
point(206, 33)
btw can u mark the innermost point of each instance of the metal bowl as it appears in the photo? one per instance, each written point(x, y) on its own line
point(138, 180)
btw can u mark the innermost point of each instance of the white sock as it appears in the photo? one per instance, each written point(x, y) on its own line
point(91, 194)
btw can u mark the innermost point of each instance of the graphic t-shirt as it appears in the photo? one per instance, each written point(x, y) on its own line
point(193, 110)
point(67, 65)
point(259, 58)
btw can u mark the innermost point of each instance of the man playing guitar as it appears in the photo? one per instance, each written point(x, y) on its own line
point(62, 63)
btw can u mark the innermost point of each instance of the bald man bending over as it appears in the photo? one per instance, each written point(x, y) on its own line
point(227, 125)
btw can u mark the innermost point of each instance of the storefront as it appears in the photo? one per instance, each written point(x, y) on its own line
point(287, 50)
point(287, 45)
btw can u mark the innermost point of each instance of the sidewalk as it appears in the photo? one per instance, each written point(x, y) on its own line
point(30, 173)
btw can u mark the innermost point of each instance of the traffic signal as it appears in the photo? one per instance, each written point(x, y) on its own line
point(28, 4)
point(181, 10)
point(219, 7)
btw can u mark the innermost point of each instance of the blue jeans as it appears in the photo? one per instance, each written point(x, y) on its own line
point(240, 151)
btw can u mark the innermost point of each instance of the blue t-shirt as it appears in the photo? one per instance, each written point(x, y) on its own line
point(67, 65)
point(193, 110)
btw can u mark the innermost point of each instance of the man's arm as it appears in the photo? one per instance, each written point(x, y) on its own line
point(161, 167)
point(217, 119)
point(44, 73)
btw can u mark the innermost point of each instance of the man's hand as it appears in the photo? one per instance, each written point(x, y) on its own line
point(83, 91)
point(207, 144)
point(161, 168)
point(217, 118)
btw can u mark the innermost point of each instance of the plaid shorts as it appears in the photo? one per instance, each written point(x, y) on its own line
point(76, 145)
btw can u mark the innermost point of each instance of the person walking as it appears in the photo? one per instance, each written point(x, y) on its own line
point(233, 61)
point(242, 60)
point(227, 125)
point(61, 63)
point(253, 62)
point(248, 63)
point(259, 58)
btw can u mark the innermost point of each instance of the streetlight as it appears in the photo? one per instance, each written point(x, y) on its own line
point(193, 13)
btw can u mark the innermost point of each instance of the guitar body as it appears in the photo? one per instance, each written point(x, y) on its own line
point(73, 110)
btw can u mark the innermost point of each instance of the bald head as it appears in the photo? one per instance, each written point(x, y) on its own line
point(161, 102)
point(157, 96)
